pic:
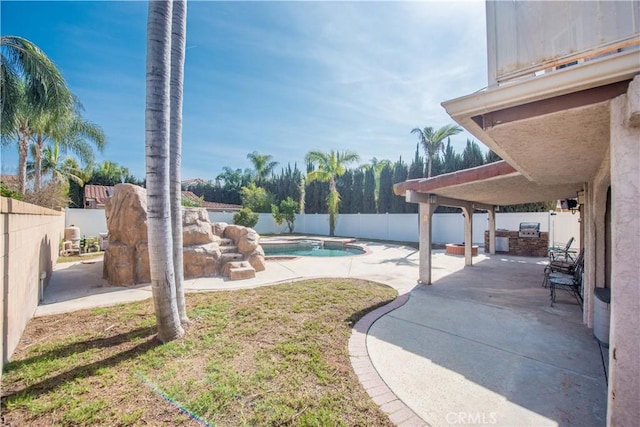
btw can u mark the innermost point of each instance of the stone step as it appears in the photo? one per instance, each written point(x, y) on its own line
point(225, 242)
point(240, 273)
point(226, 268)
point(228, 249)
point(229, 257)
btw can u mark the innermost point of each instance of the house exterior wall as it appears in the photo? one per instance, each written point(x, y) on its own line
point(523, 37)
point(30, 239)
point(624, 368)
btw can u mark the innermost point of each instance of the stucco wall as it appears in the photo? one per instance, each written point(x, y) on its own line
point(30, 238)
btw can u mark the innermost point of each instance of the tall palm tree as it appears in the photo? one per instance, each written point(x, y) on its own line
point(71, 131)
point(157, 143)
point(327, 167)
point(25, 70)
point(178, 40)
point(432, 141)
point(21, 132)
point(263, 166)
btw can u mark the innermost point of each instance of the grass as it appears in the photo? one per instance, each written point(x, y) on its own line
point(83, 257)
point(261, 357)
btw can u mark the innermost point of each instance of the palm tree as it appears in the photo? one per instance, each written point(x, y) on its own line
point(432, 141)
point(27, 71)
point(71, 131)
point(327, 167)
point(178, 40)
point(263, 166)
point(20, 131)
point(62, 168)
point(157, 143)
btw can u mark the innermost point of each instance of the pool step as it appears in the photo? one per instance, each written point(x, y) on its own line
point(238, 270)
point(226, 249)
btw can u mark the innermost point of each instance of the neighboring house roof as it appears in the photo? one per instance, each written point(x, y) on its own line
point(97, 193)
point(100, 193)
point(211, 206)
point(10, 181)
point(195, 181)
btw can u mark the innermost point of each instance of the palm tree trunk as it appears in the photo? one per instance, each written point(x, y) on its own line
point(23, 148)
point(37, 163)
point(157, 141)
point(178, 40)
point(429, 163)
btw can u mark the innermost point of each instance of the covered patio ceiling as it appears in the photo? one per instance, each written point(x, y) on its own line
point(492, 184)
point(553, 128)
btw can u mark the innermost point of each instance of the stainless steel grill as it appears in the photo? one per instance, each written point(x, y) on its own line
point(529, 229)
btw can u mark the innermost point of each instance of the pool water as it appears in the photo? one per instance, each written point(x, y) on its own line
point(309, 251)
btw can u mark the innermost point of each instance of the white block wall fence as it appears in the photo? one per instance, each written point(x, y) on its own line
point(447, 227)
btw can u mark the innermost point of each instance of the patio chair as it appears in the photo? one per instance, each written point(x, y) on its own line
point(562, 254)
point(563, 267)
point(571, 283)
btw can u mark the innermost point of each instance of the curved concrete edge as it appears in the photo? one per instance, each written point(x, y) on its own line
point(399, 413)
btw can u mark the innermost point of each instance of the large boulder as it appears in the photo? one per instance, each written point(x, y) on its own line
point(218, 228)
point(126, 212)
point(196, 229)
point(256, 259)
point(201, 260)
point(126, 259)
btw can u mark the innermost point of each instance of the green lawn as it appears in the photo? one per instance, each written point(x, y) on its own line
point(268, 356)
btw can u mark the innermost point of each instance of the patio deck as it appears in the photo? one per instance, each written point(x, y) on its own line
point(479, 346)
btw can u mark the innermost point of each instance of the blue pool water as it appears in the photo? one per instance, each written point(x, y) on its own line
point(305, 250)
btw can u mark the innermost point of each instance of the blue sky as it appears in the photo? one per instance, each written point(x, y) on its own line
point(281, 78)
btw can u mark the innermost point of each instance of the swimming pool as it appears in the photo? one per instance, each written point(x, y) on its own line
point(314, 248)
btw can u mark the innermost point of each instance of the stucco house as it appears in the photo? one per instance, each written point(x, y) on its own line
point(562, 108)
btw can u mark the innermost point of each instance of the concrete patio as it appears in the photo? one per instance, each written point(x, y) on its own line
point(480, 346)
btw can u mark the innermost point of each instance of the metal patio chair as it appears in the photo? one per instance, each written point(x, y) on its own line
point(562, 254)
point(571, 283)
point(562, 267)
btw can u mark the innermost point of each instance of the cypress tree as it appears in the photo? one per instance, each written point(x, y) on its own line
point(345, 184)
point(357, 205)
point(400, 174)
point(385, 192)
point(369, 202)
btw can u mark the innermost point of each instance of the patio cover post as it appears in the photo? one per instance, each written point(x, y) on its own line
point(426, 214)
point(492, 231)
point(467, 209)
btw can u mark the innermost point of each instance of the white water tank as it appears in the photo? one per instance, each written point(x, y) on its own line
point(72, 234)
point(601, 315)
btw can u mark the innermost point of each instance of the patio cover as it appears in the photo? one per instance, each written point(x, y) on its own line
point(491, 184)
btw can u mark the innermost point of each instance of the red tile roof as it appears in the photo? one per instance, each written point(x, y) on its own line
point(214, 206)
point(99, 193)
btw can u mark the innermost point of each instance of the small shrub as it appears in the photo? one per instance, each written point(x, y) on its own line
point(245, 217)
point(285, 212)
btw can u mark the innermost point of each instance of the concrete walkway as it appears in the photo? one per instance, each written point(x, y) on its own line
point(480, 346)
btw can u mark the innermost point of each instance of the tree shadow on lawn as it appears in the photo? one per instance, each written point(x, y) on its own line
point(84, 371)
